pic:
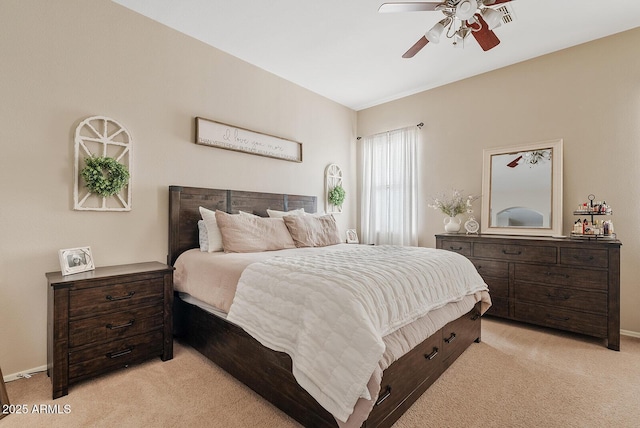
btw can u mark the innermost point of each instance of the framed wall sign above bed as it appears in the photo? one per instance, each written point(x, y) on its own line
point(224, 136)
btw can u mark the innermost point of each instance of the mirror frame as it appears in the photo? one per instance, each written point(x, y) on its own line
point(556, 190)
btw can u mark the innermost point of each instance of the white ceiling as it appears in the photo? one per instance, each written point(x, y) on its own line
point(348, 52)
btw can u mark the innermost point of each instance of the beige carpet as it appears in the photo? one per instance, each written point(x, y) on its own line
point(519, 376)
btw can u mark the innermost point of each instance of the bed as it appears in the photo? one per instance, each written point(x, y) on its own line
point(269, 372)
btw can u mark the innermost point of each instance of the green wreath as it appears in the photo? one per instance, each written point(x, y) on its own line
point(336, 196)
point(104, 175)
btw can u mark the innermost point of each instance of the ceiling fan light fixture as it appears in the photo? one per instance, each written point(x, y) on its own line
point(465, 9)
point(492, 17)
point(433, 35)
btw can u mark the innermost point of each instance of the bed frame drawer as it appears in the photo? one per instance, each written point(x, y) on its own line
point(458, 334)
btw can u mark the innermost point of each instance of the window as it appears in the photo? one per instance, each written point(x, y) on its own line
point(389, 188)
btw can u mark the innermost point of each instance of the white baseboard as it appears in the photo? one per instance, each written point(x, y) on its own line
point(24, 374)
point(629, 333)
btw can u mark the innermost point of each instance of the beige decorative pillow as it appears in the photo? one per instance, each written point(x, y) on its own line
point(250, 234)
point(280, 214)
point(312, 231)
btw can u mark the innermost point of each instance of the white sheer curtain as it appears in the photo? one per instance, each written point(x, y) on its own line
point(389, 188)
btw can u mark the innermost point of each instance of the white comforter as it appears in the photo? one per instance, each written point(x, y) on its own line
point(330, 311)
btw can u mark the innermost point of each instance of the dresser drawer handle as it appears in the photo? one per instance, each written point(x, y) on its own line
point(450, 338)
point(552, 297)
point(563, 275)
point(455, 248)
point(126, 296)
point(387, 394)
point(114, 355)
point(432, 355)
point(115, 327)
point(512, 253)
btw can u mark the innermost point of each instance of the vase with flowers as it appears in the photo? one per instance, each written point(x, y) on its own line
point(453, 205)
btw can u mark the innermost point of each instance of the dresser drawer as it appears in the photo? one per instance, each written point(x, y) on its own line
point(562, 296)
point(115, 297)
point(499, 307)
point(513, 252)
point(115, 325)
point(558, 275)
point(492, 268)
point(584, 257)
point(498, 287)
point(565, 319)
point(396, 385)
point(119, 353)
point(460, 247)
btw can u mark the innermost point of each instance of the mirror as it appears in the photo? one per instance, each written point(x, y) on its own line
point(522, 189)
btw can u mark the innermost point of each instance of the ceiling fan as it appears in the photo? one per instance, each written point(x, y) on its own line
point(462, 17)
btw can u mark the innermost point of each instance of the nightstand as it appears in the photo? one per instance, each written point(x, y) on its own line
point(105, 319)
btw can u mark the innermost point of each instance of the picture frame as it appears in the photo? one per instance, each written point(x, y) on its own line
point(352, 237)
point(75, 260)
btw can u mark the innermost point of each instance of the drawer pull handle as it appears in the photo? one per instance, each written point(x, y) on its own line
point(115, 327)
point(126, 296)
point(475, 316)
point(432, 355)
point(387, 394)
point(113, 355)
point(455, 248)
point(564, 275)
point(512, 253)
point(552, 297)
point(552, 317)
point(450, 338)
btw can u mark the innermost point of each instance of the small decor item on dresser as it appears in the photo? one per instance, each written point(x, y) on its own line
point(471, 226)
point(74, 260)
point(452, 206)
point(452, 224)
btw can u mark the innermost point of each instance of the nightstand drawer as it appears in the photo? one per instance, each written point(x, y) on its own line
point(119, 353)
point(115, 297)
point(115, 325)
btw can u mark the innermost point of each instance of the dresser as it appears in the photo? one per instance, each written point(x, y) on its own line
point(105, 319)
point(567, 284)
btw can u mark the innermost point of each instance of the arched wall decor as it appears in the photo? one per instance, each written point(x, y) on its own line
point(332, 178)
point(100, 136)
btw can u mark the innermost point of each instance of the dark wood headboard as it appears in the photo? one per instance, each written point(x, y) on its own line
point(184, 213)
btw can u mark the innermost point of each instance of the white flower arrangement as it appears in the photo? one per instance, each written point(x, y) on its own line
point(456, 204)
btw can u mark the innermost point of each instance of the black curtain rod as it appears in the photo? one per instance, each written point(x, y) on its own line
point(420, 125)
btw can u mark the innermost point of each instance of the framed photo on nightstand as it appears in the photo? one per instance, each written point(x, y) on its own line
point(74, 260)
point(352, 236)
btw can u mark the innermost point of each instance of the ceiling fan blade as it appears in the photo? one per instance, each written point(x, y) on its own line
point(422, 42)
point(494, 2)
point(486, 38)
point(421, 6)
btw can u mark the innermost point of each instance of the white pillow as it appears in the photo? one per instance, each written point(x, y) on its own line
point(213, 231)
point(280, 214)
point(203, 236)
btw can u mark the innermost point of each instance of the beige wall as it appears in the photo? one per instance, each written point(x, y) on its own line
point(588, 95)
point(67, 60)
